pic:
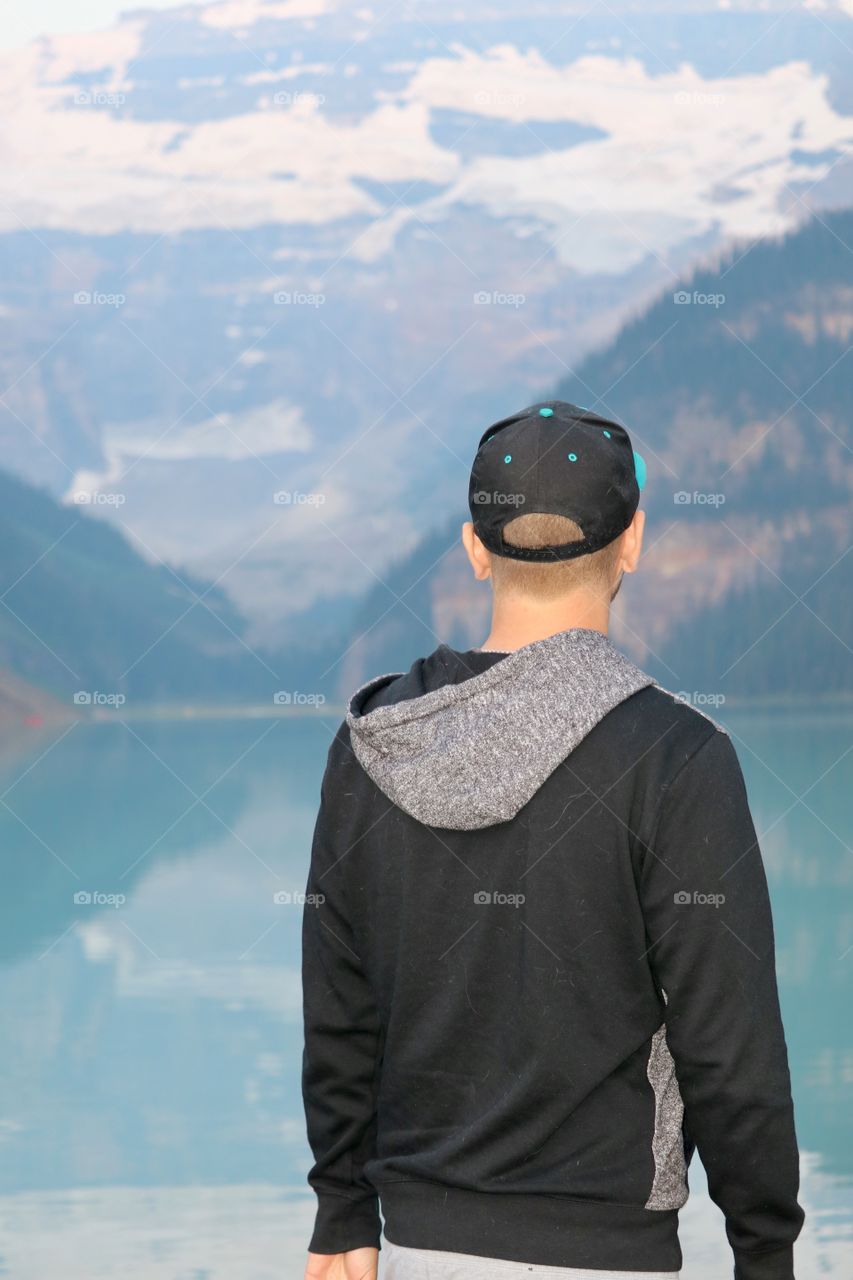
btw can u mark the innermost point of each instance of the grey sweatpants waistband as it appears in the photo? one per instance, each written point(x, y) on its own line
point(399, 1263)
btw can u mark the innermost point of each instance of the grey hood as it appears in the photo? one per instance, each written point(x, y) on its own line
point(470, 755)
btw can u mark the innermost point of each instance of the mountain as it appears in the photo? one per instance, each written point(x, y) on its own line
point(304, 248)
point(84, 616)
point(28, 716)
point(735, 385)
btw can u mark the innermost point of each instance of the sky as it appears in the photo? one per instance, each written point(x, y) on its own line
point(21, 23)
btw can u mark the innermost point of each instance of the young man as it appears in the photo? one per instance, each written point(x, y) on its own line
point(541, 971)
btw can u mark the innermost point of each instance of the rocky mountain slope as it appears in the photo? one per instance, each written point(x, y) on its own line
point(736, 387)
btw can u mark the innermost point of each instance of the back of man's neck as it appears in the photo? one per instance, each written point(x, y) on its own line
point(518, 622)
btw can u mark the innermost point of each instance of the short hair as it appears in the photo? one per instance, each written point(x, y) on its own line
point(550, 580)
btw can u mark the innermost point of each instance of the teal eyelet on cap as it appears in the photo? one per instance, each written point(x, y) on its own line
point(508, 458)
point(572, 457)
point(607, 433)
point(546, 413)
point(640, 471)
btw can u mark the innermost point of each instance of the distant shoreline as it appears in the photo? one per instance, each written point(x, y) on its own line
point(18, 742)
point(213, 711)
point(14, 742)
point(843, 703)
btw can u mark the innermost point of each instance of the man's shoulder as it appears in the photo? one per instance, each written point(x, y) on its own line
point(671, 725)
point(690, 713)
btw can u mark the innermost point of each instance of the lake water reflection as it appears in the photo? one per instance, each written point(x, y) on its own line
point(150, 1123)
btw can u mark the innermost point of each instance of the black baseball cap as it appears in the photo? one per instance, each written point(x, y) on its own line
point(555, 458)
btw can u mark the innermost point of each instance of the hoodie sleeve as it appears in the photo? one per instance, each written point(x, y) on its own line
point(342, 1048)
point(711, 948)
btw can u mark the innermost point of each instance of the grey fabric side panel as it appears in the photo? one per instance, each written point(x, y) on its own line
point(669, 1188)
point(398, 1263)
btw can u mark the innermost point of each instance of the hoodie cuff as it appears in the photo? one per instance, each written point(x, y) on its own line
point(343, 1224)
point(778, 1264)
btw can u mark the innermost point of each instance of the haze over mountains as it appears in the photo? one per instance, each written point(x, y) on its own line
point(268, 269)
point(740, 401)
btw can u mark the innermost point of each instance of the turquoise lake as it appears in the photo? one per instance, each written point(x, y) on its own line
point(150, 1115)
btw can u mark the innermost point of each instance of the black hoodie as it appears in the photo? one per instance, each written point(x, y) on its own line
point(538, 970)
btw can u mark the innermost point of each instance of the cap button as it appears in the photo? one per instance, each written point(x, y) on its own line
point(546, 413)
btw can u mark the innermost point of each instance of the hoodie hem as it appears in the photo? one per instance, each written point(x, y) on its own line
point(545, 1230)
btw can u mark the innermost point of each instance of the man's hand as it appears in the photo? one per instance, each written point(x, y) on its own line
point(358, 1264)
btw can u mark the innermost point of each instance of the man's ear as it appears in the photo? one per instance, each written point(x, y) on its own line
point(632, 543)
point(478, 556)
